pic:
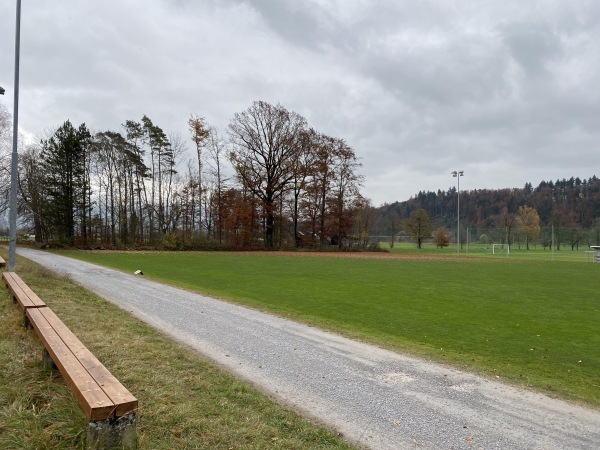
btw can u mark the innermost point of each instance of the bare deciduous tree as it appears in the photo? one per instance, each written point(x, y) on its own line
point(418, 226)
point(264, 139)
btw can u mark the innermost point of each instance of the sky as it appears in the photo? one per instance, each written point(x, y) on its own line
point(506, 91)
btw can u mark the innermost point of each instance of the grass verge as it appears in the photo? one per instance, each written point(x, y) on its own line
point(185, 402)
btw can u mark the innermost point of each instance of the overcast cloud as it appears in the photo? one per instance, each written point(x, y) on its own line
point(505, 90)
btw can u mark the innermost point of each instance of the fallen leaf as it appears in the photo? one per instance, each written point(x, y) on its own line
point(469, 439)
point(398, 422)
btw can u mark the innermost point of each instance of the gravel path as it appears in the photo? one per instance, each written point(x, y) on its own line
point(376, 398)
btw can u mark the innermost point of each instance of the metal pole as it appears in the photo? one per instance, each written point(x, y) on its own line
point(552, 242)
point(458, 219)
point(12, 217)
point(457, 174)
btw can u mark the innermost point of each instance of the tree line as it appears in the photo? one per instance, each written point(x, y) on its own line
point(524, 216)
point(272, 182)
point(562, 203)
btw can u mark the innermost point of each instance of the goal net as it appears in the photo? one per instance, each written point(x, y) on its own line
point(500, 249)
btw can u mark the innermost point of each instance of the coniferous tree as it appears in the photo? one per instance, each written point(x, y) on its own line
point(135, 134)
point(64, 159)
point(162, 163)
point(200, 134)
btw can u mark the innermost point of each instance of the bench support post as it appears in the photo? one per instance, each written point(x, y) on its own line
point(48, 361)
point(115, 433)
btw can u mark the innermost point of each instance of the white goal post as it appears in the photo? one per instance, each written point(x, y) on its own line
point(500, 249)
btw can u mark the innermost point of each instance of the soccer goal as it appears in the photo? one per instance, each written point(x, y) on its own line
point(500, 249)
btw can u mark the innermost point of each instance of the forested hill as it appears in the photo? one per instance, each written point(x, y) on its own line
point(565, 203)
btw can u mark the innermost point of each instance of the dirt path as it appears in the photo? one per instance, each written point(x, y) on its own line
point(376, 398)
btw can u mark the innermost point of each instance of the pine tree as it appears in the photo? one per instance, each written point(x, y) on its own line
point(64, 163)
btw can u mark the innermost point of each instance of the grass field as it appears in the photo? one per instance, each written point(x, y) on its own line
point(185, 402)
point(532, 323)
point(535, 253)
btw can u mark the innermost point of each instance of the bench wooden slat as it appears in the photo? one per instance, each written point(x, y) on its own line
point(109, 407)
point(35, 300)
point(94, 401)
point(124, 401)
point(21, 292)
point(2, 262)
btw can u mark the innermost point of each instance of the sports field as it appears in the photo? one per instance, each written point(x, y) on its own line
point(527, 321)
point(535, 253)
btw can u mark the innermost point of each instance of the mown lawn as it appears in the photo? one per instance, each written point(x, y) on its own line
point(478, 250)
point(533, 323)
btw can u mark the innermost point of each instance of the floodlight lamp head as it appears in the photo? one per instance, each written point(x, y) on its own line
point(454, 174)
point(2, 91)
point(461, 173)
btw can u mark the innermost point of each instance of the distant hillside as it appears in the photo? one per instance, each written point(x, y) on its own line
point(563, 203)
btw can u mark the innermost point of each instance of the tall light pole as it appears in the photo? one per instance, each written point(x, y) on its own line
point(457, 175)
point(12, 204)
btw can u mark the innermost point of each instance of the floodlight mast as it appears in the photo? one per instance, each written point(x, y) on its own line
point(457, 174)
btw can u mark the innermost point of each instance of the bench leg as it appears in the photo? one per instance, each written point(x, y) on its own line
point(48, 362)
point(116, 433)
point(26, 321)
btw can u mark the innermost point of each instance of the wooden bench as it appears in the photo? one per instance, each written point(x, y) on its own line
point(2, 262)
point(22, 294)
point(110, 408)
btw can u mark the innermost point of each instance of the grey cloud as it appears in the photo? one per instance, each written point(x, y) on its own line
point(533, 46)
point(293, 22)
point(415, 87)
